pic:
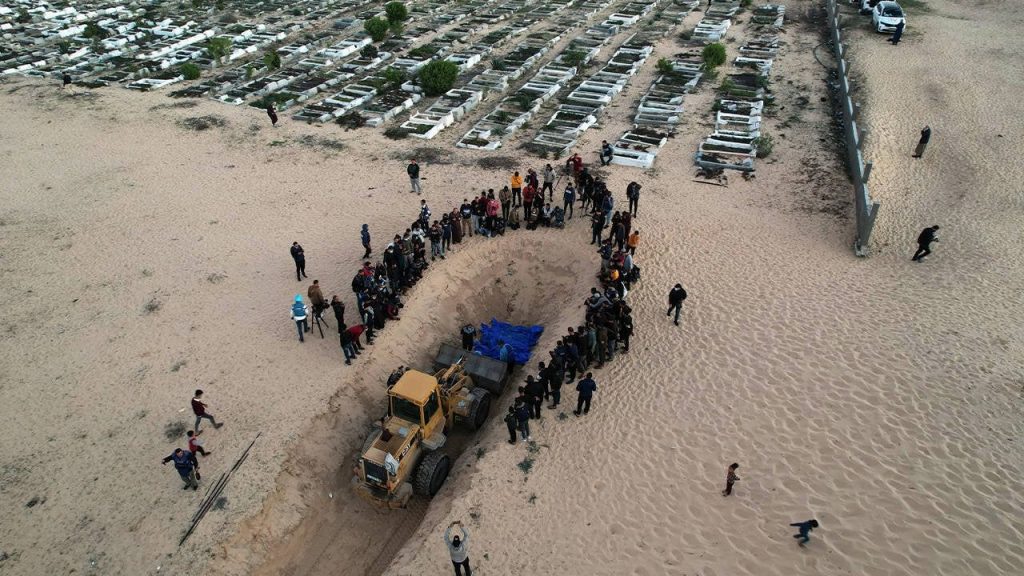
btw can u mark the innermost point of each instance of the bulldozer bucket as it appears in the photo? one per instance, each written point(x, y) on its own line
point(488, 373)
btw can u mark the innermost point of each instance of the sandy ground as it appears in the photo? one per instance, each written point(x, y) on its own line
point(141, 260)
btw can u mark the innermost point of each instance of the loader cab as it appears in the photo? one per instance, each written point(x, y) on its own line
point(416, 399)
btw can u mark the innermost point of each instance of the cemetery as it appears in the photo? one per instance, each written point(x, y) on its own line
point(537, 73)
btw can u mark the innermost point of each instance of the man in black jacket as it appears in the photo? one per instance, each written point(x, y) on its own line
point(534, 396)
point(675, 301)
point(414, 175)
point(924, 240)
point(299, 255)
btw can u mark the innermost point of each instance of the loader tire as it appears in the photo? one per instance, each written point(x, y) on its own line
point(371, 437)
point(479, 410)
point(431, 473)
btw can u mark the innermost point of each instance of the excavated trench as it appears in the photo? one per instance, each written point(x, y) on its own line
point(534, 278)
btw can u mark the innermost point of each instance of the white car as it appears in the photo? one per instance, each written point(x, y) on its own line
point(886, 15)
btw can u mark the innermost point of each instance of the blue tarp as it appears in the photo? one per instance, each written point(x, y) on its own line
point(521, 338)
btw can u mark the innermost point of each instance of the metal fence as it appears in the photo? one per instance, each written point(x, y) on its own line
point(865, 208)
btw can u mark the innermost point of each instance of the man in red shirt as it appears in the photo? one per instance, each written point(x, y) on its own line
point(195, 445)
point(199, 408)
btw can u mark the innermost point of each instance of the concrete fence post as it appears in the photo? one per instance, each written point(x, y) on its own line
point(867, 171)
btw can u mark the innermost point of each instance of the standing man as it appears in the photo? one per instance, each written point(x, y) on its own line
point(364, 235)
point(299, 312)
point(926, 135)
point(534, 396)
point(510, 421)
point(505, 196)
point(347, 346)
point(924, 240)
point(730, 478)
point(805, 528)
point(66, 80)
point(568, 199)
point(517, 189)
point(506, 355)
point(272, 114)
point(633, 242)
point(299, 255)
point(316, 297)
point(523, 419)
point(675, 301)
point(895, 39)
point(606, 153)
point(596, 226)
point(468, 337)
point(468, 220)
point(424, 214)
point(457, 548)
point(339, 311)
point(586, 389)
point(549, 181)
point(413, 169)
point(633, 193)
point(199, 409)
point(187, 466)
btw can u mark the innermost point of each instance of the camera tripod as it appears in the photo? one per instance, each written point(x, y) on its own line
point(319, 320)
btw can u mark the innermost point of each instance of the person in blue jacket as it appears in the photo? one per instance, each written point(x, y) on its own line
point(187, 466)
point(586, 389)
point(506, 355)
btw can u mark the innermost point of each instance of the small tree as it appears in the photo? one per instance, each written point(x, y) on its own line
point(713, 55)
point(23, 16)
point(394, 76)
point(377, 28)
point(574, 58)
point(218, 47)
point(665, 66)
point(272, 60)
point(94, 30)
point(437, 77)
point(396, 12)
point(190, 71)
point(764, 144)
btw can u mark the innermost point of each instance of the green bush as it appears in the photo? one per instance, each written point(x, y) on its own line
point(94, 30)
point(713, 55)
point(395, 28)
point(396, 12)
point(764, 144)
point(369, 51)
point(665, 66)
point(574, 58)
point(190, 71)
point(394, 76)
point(272, 60)
point(437, 77)
point(218, 47)
point(377, 28)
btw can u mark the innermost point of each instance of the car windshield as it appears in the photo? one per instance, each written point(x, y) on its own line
point(404, 409)
point(892, 11)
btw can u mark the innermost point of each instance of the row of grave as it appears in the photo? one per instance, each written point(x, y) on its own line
point(515, 110)
point(129, 42)
point(377, 99)
point(584, 104)
point(326, 60)
point(456, 103)
point(734, 143)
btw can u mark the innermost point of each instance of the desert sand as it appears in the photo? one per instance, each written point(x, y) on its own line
point(142, 260)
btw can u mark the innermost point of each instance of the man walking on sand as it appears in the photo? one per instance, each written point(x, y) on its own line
point(195, 445)
point(457, 548)
point(413, 170)
point(730, 478)
point(922, 143)
point(299, 255)
point(675, 302)
point(199, 409)
point(805, 528)
point(586, 389)
point(924, 241)
point(633, 194)
point(272, 114)
point(187, 466)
